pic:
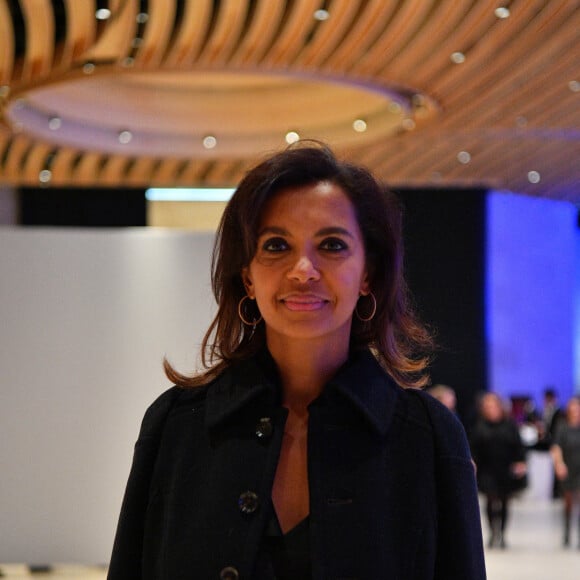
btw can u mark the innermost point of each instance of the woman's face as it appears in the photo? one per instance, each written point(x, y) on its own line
point(491, 408)
point(573, 412)
point(309, 268)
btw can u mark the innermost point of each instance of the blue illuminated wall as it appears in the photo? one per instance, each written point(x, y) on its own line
point(532, 284)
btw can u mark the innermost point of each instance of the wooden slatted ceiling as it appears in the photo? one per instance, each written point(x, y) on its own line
point(509, 104)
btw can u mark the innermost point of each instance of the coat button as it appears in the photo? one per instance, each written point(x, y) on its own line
point(229, 573)
point(264, 428)
point(248, 502)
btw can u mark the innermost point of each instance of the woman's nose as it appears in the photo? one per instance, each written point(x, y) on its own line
point(304, 270)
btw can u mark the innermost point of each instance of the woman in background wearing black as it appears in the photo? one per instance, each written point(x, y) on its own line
point(499, 455)
point(301, 452)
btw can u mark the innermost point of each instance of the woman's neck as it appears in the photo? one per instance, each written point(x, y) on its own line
point(305, 367)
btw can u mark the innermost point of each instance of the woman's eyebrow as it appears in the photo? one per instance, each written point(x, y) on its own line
point(334, 230)
point(273, 230)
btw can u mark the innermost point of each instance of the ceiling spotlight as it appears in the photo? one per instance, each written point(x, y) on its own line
point(321, 15)
point(89, 68)
point(408, 124)
point(142, 17)
point(45, 176)
point(464, 157)
point(128, 62)
point(502, 12)
point(534, 177)
point(292, 137)
point(574, 86)
point(394, 107)
point(125, 137)
point(457, 57)
point(521, 121)
point(359, 125)
point(209, 142)
point(103, 14)
point(54, 123)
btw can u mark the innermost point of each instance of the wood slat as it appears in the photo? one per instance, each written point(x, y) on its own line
point(81, 31)
point(6, 44)
point(158, 31)
point(191, 33)
point(39, 22)
point(293, 33)
point(329, 33)
point(367, 28)
point(407, 21)
point(226, 32)
point(261, 33)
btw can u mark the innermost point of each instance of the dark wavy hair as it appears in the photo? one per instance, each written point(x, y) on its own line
point(398, 340)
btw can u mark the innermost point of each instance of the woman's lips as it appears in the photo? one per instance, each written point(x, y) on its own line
point(304, 303)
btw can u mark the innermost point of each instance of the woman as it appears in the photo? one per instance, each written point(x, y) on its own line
point(565, 453)
point(499, 455)
point(299, 453)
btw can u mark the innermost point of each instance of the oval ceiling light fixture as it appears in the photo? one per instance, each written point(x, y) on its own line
point(457, 57)
point(464, 157)
point(502, 12)
point(249, 111)
point(103, 14)
point(209, 141)
point(292, 137)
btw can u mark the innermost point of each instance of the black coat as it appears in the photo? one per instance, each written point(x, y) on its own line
point(392, 487)
point(496, 446)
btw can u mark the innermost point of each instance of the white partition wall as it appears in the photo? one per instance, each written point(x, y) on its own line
point(86, 317)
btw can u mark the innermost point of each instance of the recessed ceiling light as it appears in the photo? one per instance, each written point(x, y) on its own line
point(464, 157)
point(457, 57)
point(88, 68)
point(521, 121)
point(408, 124)
point(394, 107)
point(502, 12)
point(103, 14)
point(359, 125)
point(142, 17)
point(574, 86)
point(45, 176)
point(125, 137)
point(534, 177)
point(292, 137)
point(54, 123)
point(321, 15)
point(209, 142)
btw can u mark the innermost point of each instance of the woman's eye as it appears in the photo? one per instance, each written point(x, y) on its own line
point(275, 245)
point(333, 245)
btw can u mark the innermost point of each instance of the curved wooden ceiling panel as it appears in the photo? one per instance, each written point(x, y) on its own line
point(445, 92)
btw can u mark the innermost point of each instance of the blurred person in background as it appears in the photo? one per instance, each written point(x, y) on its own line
point(565, 452)
point(499, 455)
point(445, 395)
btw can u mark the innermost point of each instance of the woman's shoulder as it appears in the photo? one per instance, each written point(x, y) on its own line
point(166, 404)
point(448, 431)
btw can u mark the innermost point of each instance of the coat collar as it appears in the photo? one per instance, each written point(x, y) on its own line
point(361, 382)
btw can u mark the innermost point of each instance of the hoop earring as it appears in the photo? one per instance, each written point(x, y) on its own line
point(373, 310)
point(255, 321)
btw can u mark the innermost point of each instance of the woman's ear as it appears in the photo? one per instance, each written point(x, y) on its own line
point(247, 281)
point(365, 288)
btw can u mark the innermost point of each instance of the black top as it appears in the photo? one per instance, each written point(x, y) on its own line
point(287, 555)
